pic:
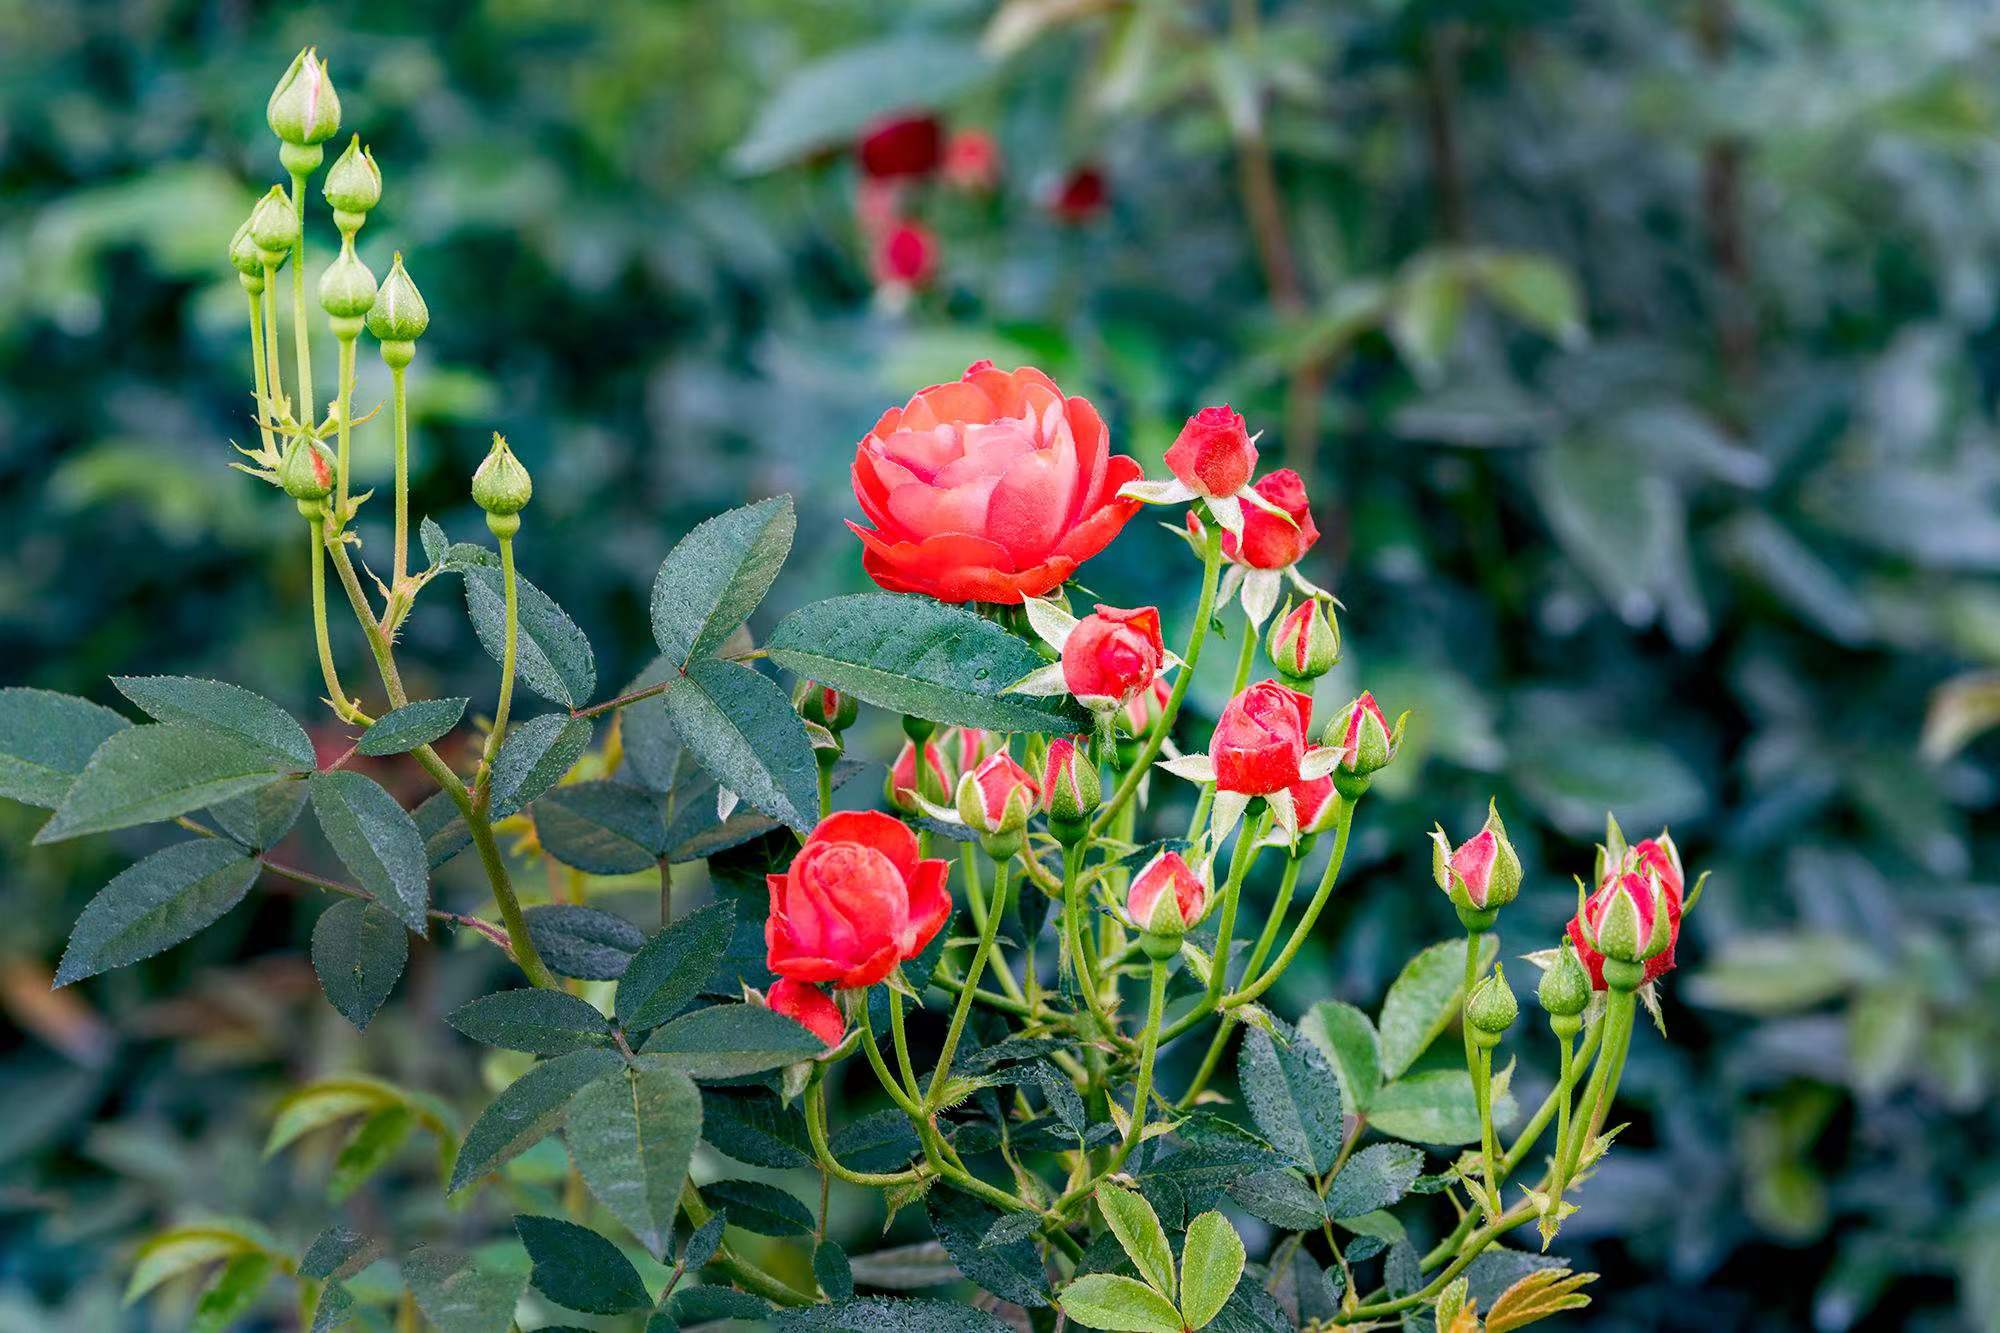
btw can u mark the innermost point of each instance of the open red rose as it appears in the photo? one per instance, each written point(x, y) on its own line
point(991, 489)
point(808, 1006)
point(1260, 739)
point(905, 144)
point(1632, 884)
point(856, 901)
point(1213, 454)
point(1112, 654)
point(1268, 541)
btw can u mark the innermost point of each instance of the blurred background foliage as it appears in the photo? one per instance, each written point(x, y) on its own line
point(1641, 361)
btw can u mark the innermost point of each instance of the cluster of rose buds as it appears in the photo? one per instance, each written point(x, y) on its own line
point(900, 155)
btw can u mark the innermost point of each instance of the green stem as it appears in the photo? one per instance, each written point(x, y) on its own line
point(975, 898)
point(1211, 571)
point(510, 631)
point(1218, 1044)
point(666, 893)
point(1343, 824)
point(344, 409)
point(1246, 656)
point(344, 707)
point(1149, 1049)
point(825, 766)
point(401, 409)
point(1086, 980)
point(1595, 1102)
point(301, 335)
point(1567, 1040)
point(890, 1084)
point(935, 1095)
point(740, 1270)
point(1241, 859)
point(1482, 1102)
point(900, 1032)
point(274, 380)
point(261, 381)
point(823, 1152)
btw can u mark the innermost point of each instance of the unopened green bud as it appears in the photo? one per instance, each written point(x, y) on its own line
point(502, 487)
point(1565, 989)
point(399, 315)
point(245, 259)
point(1491, 1009)
point(304, 110)
point(347, 288)
point(353, 186)
point(274, 227)
point(1071, 787)
point(308, 470)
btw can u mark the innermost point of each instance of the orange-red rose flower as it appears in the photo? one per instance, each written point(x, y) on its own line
point(857, 901)
point(808, 1006)
point(1260, 739)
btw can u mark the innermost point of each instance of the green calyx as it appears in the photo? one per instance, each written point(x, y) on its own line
point(353, 184)
point(501, 486)
point(304, 110)
point(1564, 991)
point(1492, 1008)
point(274, 227)
point(1304, 642)
point(308, 470)
point(347, 288)
point(399, 314)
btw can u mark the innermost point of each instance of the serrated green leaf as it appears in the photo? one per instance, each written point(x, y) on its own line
point(143, 774)
point(833, 1272)
point(156, 904)
point(891, 1314)
point(375, 1141)
point(358, 952)
point(445, 831)
point(412, 725)
point(551, 656)
point(632, 1133)
point(534, 758)
point(226, 708)
point(670, 970)
point(525, 1111)
point(703, 1244)
point(337, 1252)
point(878, 1141)
point(1277, 1195)
point(1011, 1270)
point(434, 542)
point(377, 841)
point(1346, 1036)
point(459, 1295)
point(1211, 1265)
point(603, 827)
point(233, 1293)
point(1376, 1177)
point(1434, 1107)
point(743, 730)
point(333, 1308)
point(921, 657)
point(759, 1207)
point(260, 819)
point(1121, 1304)
point(576, 1267)
point(731, 1040)
point(1138, 1229)
point(45, 740)
point(1293, 1097)
point(534, 1019)
point(754, 1127)
point(1423, 999)
point(584, 942)
point(716, 575)
point(710, 1304)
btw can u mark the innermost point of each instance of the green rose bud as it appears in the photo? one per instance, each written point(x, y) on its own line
point(246, 260)
point(1565, 991)
point(353, 186)
point(1071, 788)
point(1491, 1010)
point(304, 110)
point(347, 289)
point(274, 227)
point(502, 487)
point(399, 316)
point(1304, 643)
point(308, 471)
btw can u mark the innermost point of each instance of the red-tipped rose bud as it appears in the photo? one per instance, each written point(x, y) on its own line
point(1071, 787)
point(1480, 876)
point(995, 800)
point(1260, 739)
point(1626, 932)
point(905, 782)
point(1365, 740)
point(1167, 900)
point(969, 747)
point(971, 161)
point(1079, 196)
point(904, 144)
point(1213, 456)
point(808, 1006)
point(1317, 802)
point(829, 708)
point(906, 255)
point(308, 471)
point(1111, 655)
point(1305, 641)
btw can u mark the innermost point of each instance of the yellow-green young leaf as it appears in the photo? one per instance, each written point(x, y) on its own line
point(140, 775)
point(45, 740)
point(233, 1293)
point(1138, 1229)
point(373, 1144)
point(1539, 1295)
point(376, 839)
point(156, 904)
point(715, 576)
point(525, 1111)
point(181, 1249)
point(1119, 1304)
point(1450, 1302)
point(1211, 1265)
point(631, 1133)
point(1536, 290)
point(322, 1102)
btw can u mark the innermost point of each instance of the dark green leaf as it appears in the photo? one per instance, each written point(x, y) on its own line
point(1422, 1000)
point(892, 1314)
point(576, 1267)
point(332, 1310)
point(715, 576)
point(878, 1141)
point(1012, 1271)
point(226, 708)
point(260, 819)
point(143, 774)
point(743, 730)
point(731, 1040)
point(1293, 1097)
point(534, 1019)
point(1279, 1197)
point(551, 656)
point(832, 1271)
point(376, 840)
point(525, 1111)
point(669, 971)
point(1376, 1177)
point(584, 942)
point(337, 1252)
point(632, 1132)
point(444, 828)
point(756, 1206)
point(375, 1141)
point(707, 1305)
point(458, 1295)
point(358, 951)
point(703, 1244)
point(754, 1127)
point(410, 726)
point(921, 657)
point(602, 828)
point(534, 758)
point(652, 746)
point(233, 1293)
point(156, 904)
point(45, 740)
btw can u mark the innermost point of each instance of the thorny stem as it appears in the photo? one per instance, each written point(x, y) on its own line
point(740, 1270)
point(968, 859)
point(1343, 823)
point(336, 696)
point(1478, 1069)
point(482, 796)
point(1149, 1048)
point(823, 1151)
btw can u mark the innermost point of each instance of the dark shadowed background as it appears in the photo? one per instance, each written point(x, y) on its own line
point(1641, 360)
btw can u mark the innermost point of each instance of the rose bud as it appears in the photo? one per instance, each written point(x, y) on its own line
point(1659, 856)
point(353, 187)
point(303, 110)
point(971, 161)
point(991, 489)
point(899, 145)
point(1079, 196)
point(1625, 933)
point(1167, 900)
point(274, 226)
point(1317, 802)
point(1304, 643)
point(970, 746)
point(1482, 875)
point(856, 902)
point(1260, 739)
point(308, 472)
point(1491, 1008)
point(829, 708)
point(808, 1006)
point(1071, 788)
point(502, 488)
point(905, 782)
point(1565, 991)
point(1213, 456)
point(1269, 542)
point(1112, 655)
point(995, 800)
point(1145, 708)
point(347, 291)
point(245, 258)
point(1365, 740)
point(906, 255)
point(399, 316)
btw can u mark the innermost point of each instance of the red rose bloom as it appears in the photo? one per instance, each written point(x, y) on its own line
point(808, 1006)
point(1260, 739)
point(1631, 882)
point(1268, 541)
point(856, 901)
point(989, 490)
point(1112, 655)
point(905, 144)
point(1213, 454)
point(906, 255)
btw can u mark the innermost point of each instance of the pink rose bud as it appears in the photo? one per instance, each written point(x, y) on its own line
point(1260, 739)
point(808, 1006)
point(1269, 542)
point(1071, 788)
point(1213, 455)
point(857, 901)
point(1305, 641)
point(1146, 707)
point(1166, 898)
point(1111, 655)
point(905, 782)
point(970, 746)
point(1482, 874)
point(972, 161)
point(901, 145)
point(906, 255)
point(1662, 858)
point(1079, 196)
point(1318, 804)
point(1363, 736)
point(1633, 919)
point(996, 798)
